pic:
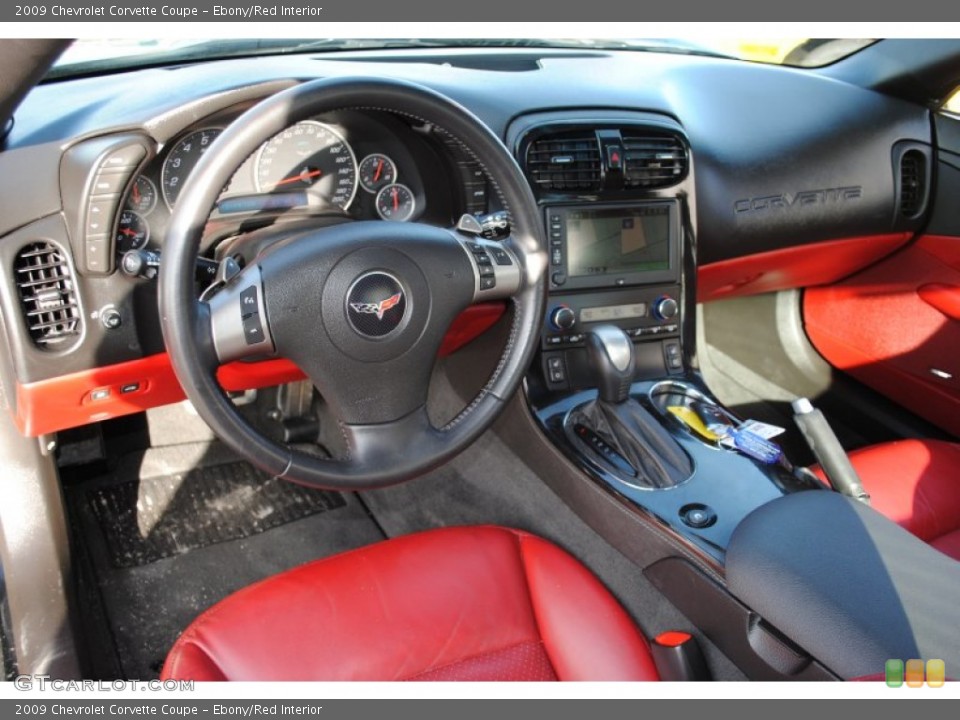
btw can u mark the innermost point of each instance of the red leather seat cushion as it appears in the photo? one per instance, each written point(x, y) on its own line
point(915, 483)
point(479, 603)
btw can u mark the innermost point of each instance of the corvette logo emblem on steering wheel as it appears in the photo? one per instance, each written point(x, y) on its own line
point(379, 308)
point(376, 304)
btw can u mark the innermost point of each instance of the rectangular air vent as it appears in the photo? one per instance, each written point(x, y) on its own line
point(652, 160)
point(565, 161)
point(913, 174)
point(47, 295)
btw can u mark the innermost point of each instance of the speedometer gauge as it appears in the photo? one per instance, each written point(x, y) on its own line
point(181, 161)
point(311, 157)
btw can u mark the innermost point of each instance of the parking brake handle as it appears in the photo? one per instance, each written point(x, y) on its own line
point(828, 451)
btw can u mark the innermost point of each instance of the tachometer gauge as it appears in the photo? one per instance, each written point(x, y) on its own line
point(133, 232)
point(143, 196)
point(183, 158)
point(376, 171)
point(309, 156)
point(396, 202)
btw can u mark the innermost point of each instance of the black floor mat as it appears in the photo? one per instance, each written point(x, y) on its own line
point(146, 520)
point(130, 616)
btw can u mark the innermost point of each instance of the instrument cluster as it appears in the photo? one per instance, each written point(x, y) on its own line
point(367, 166)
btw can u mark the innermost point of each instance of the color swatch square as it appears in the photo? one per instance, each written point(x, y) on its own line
point(914, 673)
point(936, 673)
point(893, 672)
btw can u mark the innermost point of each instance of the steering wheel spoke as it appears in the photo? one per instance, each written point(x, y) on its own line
point(497, 270)
point(238, 318)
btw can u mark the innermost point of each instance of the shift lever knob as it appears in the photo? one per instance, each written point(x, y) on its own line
point(612, 360)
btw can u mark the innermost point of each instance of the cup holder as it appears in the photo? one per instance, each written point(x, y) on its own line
point(684, 407)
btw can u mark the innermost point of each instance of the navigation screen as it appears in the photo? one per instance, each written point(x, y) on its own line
point(618, 240)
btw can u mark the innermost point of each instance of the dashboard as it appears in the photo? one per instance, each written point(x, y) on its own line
point(693, 165)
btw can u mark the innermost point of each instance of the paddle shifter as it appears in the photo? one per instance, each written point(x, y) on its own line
point(627, 437)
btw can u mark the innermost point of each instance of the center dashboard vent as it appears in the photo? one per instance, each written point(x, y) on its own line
point(565, 161)
point(48, 295)
point(606, 159)
point(652, 160)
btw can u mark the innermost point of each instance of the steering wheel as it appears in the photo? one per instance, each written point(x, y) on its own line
point(360, 307)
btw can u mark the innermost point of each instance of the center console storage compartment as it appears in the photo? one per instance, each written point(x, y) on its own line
point(848, 583)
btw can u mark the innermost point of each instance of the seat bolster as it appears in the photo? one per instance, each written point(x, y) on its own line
point(587, 634)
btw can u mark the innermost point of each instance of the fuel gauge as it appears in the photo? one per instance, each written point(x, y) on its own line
point(396, 202)
point(133, 232)
point(376, 171)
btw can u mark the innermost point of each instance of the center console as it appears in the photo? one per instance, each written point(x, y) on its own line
point(703, 502)
point(616, 387)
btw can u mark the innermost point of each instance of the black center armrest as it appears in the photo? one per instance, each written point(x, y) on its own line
point(846, 584)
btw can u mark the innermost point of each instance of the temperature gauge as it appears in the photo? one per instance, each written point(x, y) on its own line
point(376, 171)
point(132, 232)
point(143, 196)
point(396, 202)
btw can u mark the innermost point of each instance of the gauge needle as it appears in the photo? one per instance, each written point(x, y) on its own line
point(305, 175)
point(128, 232)
point(396, 199)
point(376, 175)
point(136, 194)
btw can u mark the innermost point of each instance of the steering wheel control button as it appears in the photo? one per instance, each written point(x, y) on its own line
point(488, 283)
point(501, 256)
point(698, 516)
point(252, 329)
point(376, 304)
point(248, 302)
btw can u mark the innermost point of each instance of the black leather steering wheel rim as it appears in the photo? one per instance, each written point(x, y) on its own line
point(379, 454)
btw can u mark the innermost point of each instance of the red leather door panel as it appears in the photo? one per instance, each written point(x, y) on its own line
point(893, 327)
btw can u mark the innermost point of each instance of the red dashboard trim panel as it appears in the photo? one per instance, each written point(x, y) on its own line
point(107, 392)
point(794, 267)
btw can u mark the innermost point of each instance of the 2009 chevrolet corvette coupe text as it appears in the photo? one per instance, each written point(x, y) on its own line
point(500, 360)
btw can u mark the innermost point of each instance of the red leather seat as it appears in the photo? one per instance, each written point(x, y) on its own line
point(479, 603)
point(915, 483)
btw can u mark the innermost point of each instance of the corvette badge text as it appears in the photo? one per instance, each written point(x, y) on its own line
point(804, 198)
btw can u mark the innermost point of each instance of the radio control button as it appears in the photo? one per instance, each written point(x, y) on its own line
point(562, 318)
point(665, 308)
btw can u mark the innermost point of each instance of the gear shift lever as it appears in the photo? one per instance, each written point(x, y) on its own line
point(613, 362)
point(621, 421)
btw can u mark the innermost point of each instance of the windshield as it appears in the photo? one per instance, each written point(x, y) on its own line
point(88, 56)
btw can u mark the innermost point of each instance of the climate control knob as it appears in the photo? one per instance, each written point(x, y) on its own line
point(562, 318)
point(665, 308)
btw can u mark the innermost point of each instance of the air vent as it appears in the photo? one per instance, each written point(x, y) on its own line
point(652, 160)
point(566, 161)
point(913, 173)
point(47, 295)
